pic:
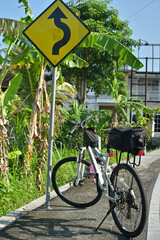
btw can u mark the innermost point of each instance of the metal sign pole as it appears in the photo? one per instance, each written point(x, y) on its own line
point(51, 131)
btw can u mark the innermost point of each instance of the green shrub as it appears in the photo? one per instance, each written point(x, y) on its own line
point(99, 122)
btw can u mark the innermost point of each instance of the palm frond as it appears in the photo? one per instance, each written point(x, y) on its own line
point(123, 114)
point(27, 9)
point(103, 42)
point(10, 26)
point(73, 61)
point(67, 88)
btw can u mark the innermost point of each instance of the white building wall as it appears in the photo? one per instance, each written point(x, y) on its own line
point(94, 103)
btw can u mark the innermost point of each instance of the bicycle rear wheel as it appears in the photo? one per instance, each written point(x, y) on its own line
point(64, 176)
point(129, 213)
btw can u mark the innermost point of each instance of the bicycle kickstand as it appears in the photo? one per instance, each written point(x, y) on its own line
point(109, 211)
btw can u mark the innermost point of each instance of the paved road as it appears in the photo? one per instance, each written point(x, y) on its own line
point(62, 221)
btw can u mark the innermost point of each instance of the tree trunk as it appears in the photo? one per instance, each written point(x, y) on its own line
point(83, 88)
point(113, 122)
point(3, 149)
point(42, 140)
point(33, 121)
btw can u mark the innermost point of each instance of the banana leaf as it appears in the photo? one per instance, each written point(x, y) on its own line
point(9, 95)
point(102, 42)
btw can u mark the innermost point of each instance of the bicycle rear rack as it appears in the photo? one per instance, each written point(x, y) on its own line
point(135, 160)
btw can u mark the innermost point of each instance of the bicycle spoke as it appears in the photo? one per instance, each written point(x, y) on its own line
point(81, 193)
point(130, 211)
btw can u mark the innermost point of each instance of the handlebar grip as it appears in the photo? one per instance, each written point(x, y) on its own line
point(85, 120)
point(72, 131)
point(79, 125)
point(89, 117)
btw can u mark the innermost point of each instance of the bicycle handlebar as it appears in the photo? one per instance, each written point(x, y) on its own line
point(79, 125)
point(73, 130)
point(87, 118)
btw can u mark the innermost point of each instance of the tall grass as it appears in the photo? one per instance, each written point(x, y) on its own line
point(23, 189)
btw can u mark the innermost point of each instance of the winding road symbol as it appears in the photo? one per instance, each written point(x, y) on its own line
point(57, 15)
point(56, 32)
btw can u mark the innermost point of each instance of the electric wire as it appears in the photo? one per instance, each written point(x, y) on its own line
point(141, 9)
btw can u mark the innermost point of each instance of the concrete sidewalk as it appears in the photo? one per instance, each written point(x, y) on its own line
point(154, 213)
point(153, 232)
point(62, 221)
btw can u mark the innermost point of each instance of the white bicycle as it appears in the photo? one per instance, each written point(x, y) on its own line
point(81, 184)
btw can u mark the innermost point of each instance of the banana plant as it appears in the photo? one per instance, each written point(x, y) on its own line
point(102, 42)
point(76, 114)
point(32, 65)
point(7, 97)
point(6, 102)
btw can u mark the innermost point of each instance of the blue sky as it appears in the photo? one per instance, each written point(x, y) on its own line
point(144, 20)
point(143, 15)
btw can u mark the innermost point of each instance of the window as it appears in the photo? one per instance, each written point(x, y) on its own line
point(157, 122)
point(141, 88)
point(153, 89)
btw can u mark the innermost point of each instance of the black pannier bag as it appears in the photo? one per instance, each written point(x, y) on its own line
point(90, 138)
point(127, 139)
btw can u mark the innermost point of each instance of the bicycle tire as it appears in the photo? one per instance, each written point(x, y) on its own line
point(129, 213)
point(81, 196)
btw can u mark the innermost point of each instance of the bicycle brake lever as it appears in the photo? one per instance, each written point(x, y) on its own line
point(76, 147)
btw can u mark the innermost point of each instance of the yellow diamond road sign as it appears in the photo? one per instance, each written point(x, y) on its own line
point(56, 32)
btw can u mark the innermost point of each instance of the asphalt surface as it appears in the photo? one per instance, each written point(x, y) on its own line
point(62, 221)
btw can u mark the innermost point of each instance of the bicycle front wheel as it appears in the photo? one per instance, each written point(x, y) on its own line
point(64, 176)
point(129, 213)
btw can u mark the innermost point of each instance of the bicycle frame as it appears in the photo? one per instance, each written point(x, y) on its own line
point(103, 171)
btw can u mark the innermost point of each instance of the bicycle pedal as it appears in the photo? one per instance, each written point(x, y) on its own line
point(90, 175)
